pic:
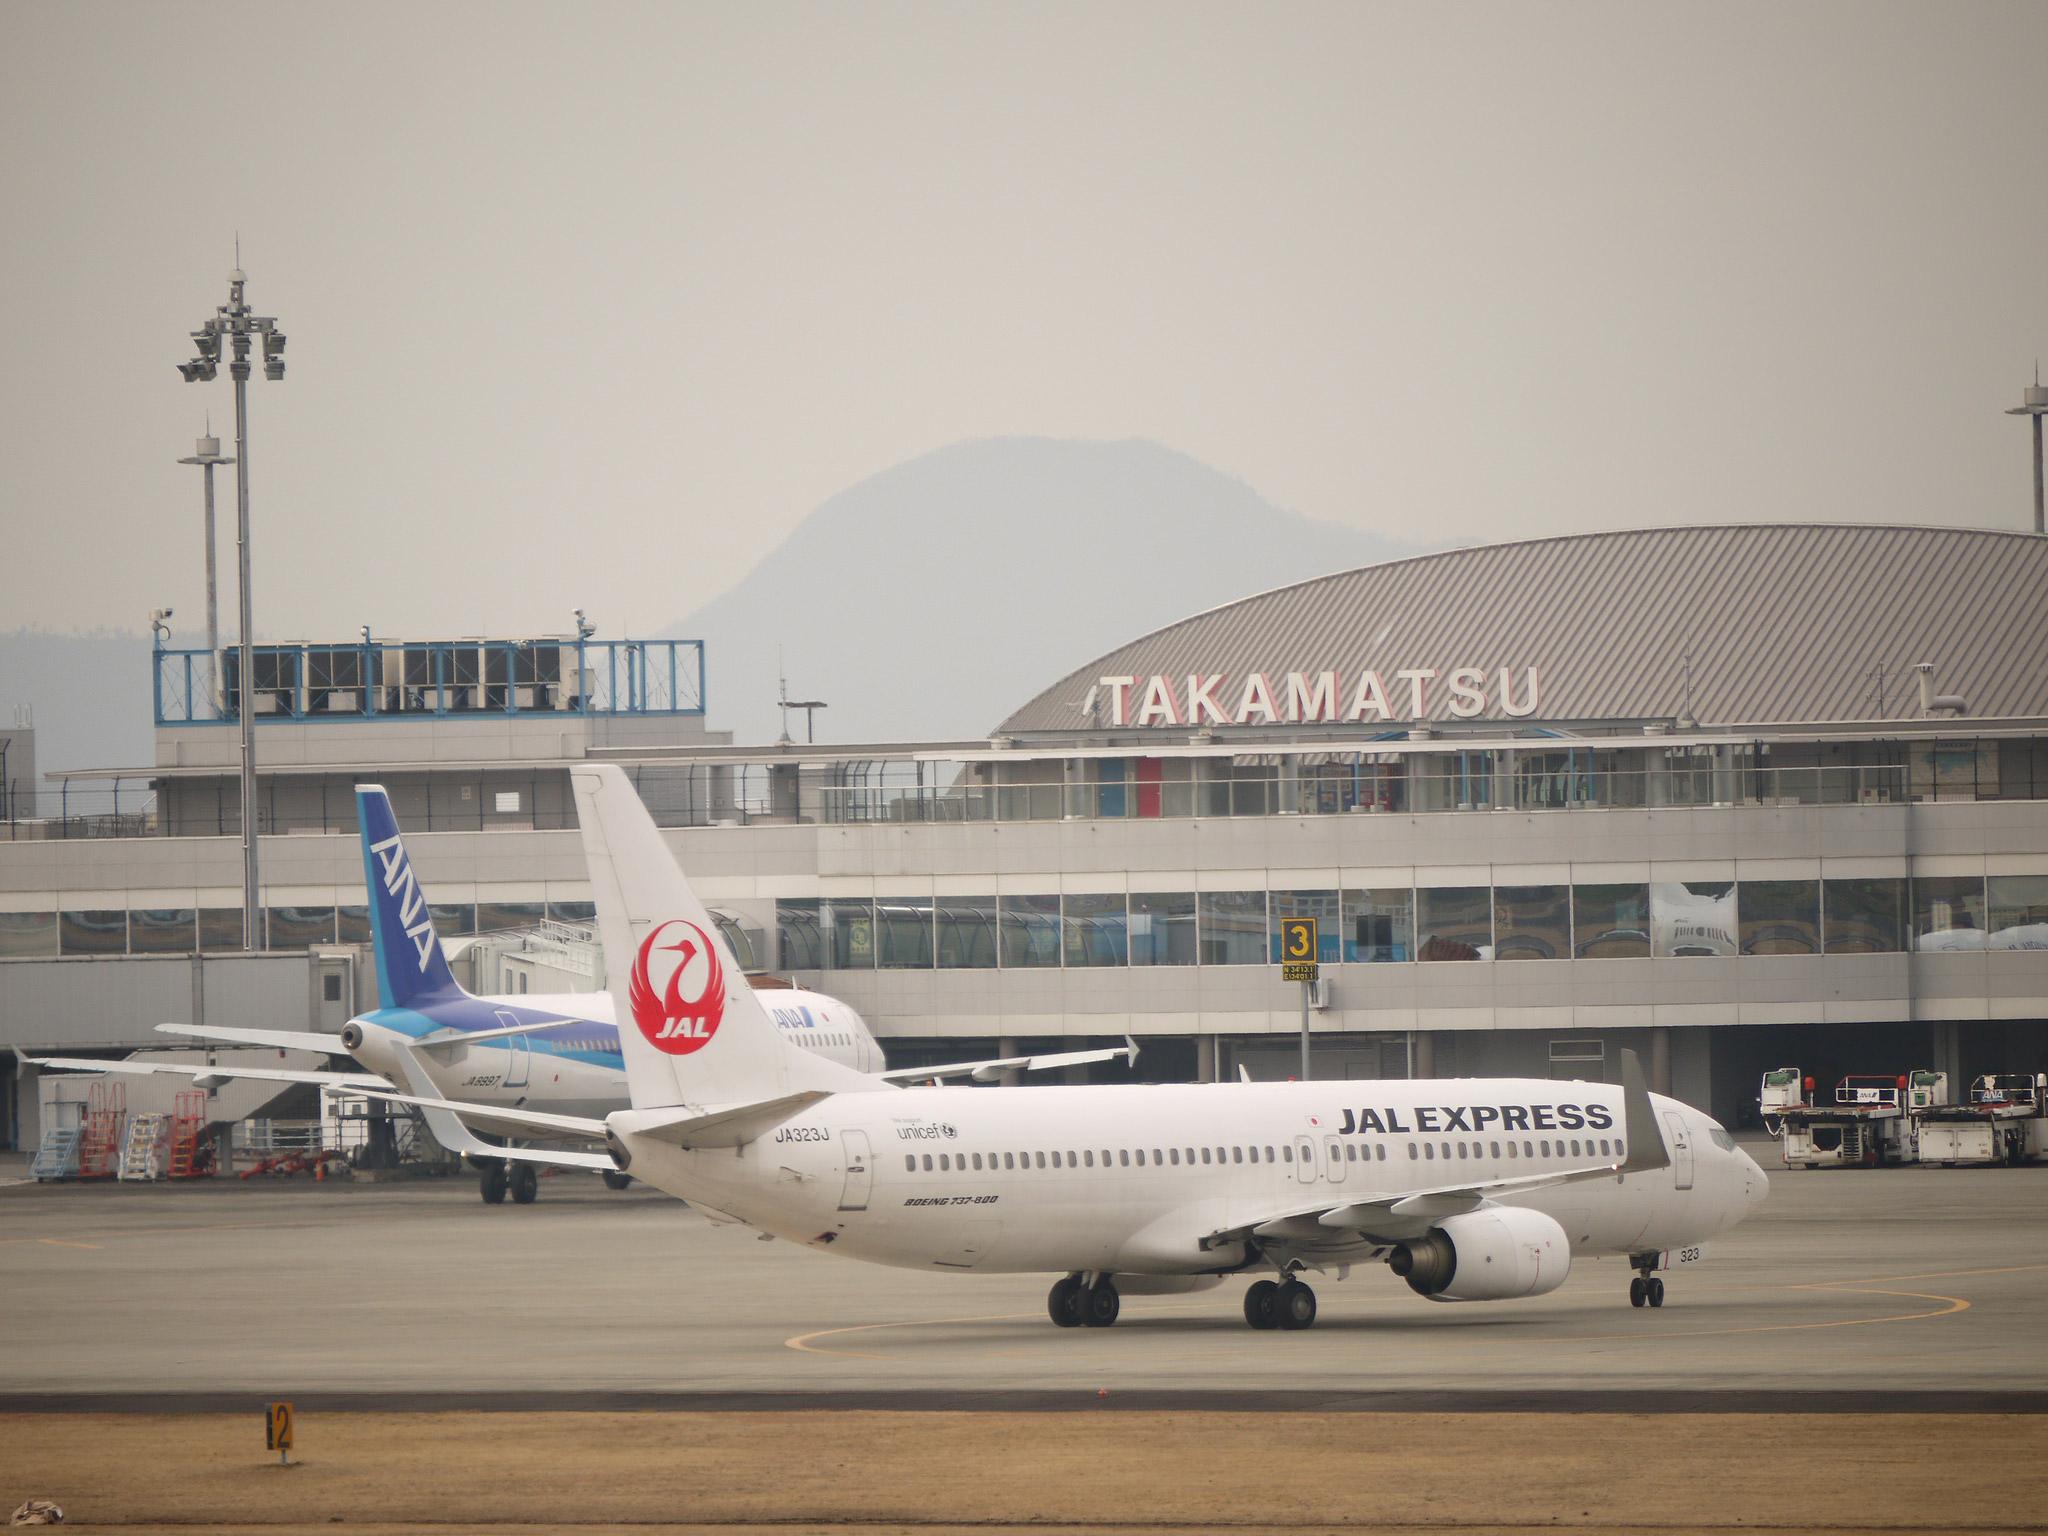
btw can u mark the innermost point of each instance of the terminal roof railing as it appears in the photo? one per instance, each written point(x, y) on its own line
point(382, 679)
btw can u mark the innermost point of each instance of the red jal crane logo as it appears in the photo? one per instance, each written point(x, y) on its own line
point(671, 1020)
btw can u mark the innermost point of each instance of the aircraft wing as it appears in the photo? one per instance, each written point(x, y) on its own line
point(988, 1071)
point(1410, 1213)
point(282, 1039)
point(202, 1074)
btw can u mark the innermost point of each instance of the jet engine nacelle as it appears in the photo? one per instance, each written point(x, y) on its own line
point(1488, 1255)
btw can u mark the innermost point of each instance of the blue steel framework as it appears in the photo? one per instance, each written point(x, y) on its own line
point(441, 678)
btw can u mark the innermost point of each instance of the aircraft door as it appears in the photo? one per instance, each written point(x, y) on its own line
point(518, 1054)
point(1681, 1150)
point(860, 1176)
point(1334, 1150)
point(1304, 1160)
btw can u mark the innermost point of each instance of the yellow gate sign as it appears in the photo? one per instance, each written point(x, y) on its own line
point(1299, 950)
point(277, 1427)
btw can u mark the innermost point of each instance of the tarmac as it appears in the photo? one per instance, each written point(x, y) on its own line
point(1853, 1291)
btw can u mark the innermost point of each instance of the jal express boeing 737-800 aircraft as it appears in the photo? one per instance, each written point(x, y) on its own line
point(1469, 1189)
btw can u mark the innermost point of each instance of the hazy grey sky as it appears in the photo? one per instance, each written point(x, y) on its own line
point(589, 305)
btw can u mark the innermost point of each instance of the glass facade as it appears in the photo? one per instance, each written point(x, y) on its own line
point(220, 928)
point(298, 927)
point(1379, 925)
point(1693, 917)
point(1031, 931)
point(1095, 929)
point(1864, 917)
point(1233, 927)
point(25, 935)
point(453, 919)
point(2019, 912)
point(1780, 917)
point(163, 931)
point(1454, 922)
point(1611, 922)
point(505, 916)
point(799, 936)
point(966, 932)
point(1948, 912)
point(1163, 928)
point(352, 924)
point(101, 931)
point(903, 930)
point(1532, 922)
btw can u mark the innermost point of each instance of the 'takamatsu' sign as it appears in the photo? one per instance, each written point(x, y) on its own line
point(1309, 697)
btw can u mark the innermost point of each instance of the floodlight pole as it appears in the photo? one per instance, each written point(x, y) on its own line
point(2035, 404)
point(234, 323)
point(207, 455)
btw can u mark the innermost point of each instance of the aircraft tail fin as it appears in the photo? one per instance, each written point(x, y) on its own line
point(691, 1028)
point(411, 969)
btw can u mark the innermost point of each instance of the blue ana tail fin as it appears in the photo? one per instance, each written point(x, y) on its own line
point(411, 970)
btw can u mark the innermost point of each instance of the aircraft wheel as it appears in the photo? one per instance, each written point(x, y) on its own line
point(1063, 1302)
point(1655, 1287)
point(492, 1184)
point(613, 1179)
point(1101, 1304)
point(1297, 1305)
point(525, 1184)
point(1262, 1304)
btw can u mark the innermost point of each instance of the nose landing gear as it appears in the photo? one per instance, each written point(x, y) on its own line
point(1646, 1289)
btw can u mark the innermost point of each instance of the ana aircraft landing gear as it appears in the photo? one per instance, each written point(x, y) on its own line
point(525, 1184)
point(492, 1183)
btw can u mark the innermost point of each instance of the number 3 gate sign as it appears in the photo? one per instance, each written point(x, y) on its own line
point(1299, 949)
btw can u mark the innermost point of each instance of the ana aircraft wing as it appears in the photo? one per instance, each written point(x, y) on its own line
point(204, 1075)
point(282, 1039)
point(987, 1071)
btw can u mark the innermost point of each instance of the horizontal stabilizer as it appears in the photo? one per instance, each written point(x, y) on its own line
point(205, 1074)
point(279, 1039)
point(987, 1071)
point(527, 1119)
point(448, 1039)
point(734, 1126)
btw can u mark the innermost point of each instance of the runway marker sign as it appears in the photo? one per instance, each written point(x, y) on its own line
point(277, 1431)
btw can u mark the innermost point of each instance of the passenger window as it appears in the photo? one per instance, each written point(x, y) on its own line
point(1041, 1159)
point(1461, 1152)
point(1429, 1151)
point(1191, 1157)
point(1141, 1157)
point(944, 1166)
point(1009, 1159)
point(1089, 1157)
point(910, 1162)
point(1621, 1149)
point(1575, 1146)
point(1237, 1154)
point(1412, 1153)
point(1158, 1158)
point(1494, 1147)
point(1105, 1157)
point(1543, 1147)
point(927, 1162)
point(1287, 1154)
point(1269, 1154)
point(977, 1162)
point(1205, 1156)
point(1124, 1158)
point(1511, 1149)
point(1350, 1151)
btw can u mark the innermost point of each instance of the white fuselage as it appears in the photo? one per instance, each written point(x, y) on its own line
point(572, 1066)
point(1137, 1180)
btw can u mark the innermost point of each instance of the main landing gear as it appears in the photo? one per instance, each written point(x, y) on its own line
point(1279, 1304)
point(1074, 1303)
point(519, 1180)
point(1646, 1289)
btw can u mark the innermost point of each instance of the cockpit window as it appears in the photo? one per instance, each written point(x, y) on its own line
point(1721, 1138)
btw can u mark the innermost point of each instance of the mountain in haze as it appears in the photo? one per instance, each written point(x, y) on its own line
point(929, 601)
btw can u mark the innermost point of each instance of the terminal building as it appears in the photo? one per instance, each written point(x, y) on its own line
point(1737, 796)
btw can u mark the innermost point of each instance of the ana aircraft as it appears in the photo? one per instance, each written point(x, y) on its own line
point(557, 1054)
point(1468, 1189)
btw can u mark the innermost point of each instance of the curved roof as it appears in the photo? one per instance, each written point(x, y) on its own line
point(1784, 622)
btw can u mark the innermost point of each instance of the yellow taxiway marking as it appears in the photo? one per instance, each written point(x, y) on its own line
point(60, 1242)
point(1876, 1285)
